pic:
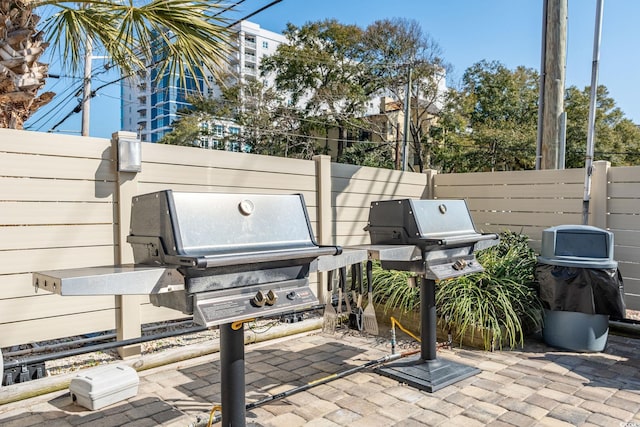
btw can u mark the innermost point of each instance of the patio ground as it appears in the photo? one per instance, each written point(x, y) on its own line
point(535, 385)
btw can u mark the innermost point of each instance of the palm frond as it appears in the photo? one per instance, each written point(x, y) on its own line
point(181, 37)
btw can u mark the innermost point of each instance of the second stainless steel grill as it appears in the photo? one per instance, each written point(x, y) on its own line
point(437, 240)
point(440, 234)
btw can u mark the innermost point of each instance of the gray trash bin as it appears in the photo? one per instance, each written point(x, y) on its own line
point(580, 287)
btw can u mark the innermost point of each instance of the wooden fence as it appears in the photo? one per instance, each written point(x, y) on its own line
point(530, 201)
point(63, 204)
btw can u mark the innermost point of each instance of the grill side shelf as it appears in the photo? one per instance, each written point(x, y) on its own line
point(128, 279)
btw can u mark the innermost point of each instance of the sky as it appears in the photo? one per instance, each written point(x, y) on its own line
point(467, 31)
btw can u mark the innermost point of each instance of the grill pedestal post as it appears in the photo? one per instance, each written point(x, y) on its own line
point(428, 319)
point(426, 372)
point(232, 383)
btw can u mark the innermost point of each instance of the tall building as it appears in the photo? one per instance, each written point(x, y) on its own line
point(151, 104)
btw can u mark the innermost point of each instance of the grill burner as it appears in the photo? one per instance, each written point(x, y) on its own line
point(435, 239)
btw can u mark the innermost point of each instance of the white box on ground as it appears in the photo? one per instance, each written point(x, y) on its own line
point(98, 387)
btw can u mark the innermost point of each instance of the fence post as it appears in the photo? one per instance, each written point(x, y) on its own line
point(599, 195)
point(127, 155)
point(324, 211)
point(429, 191)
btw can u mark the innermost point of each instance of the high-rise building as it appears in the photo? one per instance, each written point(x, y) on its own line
point(151, 104)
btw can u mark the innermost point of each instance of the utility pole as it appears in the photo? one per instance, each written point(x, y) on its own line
point(552, 83)
point(86, 89)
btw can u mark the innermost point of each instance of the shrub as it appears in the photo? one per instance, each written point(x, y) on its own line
point(499, 303)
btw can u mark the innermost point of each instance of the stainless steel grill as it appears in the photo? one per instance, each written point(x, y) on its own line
point(225, 258)
point(438, 236)
point(437, 240)
point(241, 255)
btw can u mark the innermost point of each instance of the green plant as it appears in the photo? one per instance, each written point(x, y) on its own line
point(395, 289)
point(499, 303)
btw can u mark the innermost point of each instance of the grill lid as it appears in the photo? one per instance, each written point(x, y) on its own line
point(428, 224)
point(207, 230)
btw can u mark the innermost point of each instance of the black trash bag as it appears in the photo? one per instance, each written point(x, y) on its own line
point(585, 290)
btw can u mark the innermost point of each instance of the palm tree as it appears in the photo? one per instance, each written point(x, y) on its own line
point(186, 38)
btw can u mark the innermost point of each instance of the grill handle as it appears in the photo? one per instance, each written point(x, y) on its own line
point(254, 257)
point(462, 240)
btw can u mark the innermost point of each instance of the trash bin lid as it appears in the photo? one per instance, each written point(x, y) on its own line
point(582, 246)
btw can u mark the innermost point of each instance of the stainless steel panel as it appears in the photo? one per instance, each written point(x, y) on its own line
point(393, 252)
point(219, 307)
point(237, 222)
point(348, 257)
point(427, 223)
point(110, 280)
point(208, 223)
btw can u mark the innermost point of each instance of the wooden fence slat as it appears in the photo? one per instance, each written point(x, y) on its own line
point(50, 144)
point(627, 253)
point(346, 171)
point(149, 313)
point(197, 157)
point(624, 222)
point(629, 269)
point(351, 228)
point(540, 219)
point(44, 329)
point(376, 187)
point(47, 213)
point(626, 238)
point(57, 236)
point(511, 177)
point(16, 286)
point(346, 213)
point(525, 205)
point(624, 190)
point(55, 190)
point(36, 166)
point(541, 192)
point(46, 305)
point(625, 174)
point(26, 261)
point(624, 206)
point(189, 175)
point(631, 287)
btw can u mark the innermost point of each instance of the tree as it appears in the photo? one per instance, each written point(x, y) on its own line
point(393, 47)
point(616, 138)
point(322, 69)
point(332, 72)
point(184, 37)
point(490, 123)
point(267, 125)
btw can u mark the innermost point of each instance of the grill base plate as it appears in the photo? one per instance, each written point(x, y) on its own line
point(427, 375)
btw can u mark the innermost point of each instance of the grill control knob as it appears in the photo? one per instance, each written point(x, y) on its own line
point(292, 295)
point(459, 264)
point(259, 299)
point(272, 297)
